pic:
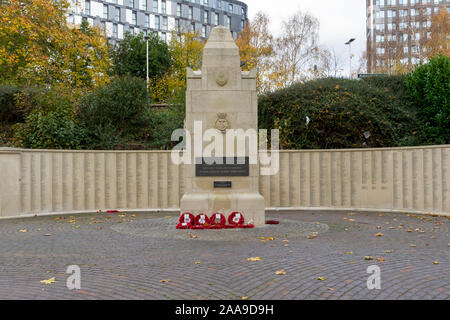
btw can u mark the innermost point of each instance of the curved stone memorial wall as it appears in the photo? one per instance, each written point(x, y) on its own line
point(415, 179)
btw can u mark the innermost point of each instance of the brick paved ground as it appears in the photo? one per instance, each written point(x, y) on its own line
point(126, 257)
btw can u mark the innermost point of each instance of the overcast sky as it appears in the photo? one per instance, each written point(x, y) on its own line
point(339, 20)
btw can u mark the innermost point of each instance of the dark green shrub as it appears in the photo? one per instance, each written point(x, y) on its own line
point(429, 88)
point(164, 122)
point(16, 103)
point(55, 129)
point(343, 114)
point(116, 113)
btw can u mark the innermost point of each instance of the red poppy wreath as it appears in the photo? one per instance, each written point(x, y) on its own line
point(217, 221)
point(201, 222)
point(236, 219)
point(186, 221)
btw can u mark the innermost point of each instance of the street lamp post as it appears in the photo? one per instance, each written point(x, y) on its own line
point(349, 43)
point(146, 42)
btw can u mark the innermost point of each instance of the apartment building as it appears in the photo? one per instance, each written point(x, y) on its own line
point(159, 16)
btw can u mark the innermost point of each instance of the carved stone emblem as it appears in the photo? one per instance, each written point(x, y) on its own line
point(222, 123)
point(222, 78)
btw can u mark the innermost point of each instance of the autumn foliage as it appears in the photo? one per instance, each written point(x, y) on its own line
point(38, 47)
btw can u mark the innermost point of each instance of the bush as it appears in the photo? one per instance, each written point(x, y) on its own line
point(342, 114)
point(116, 114)
point(53, 130)
point(164, 122)
point(428, 87)
point(13, 107)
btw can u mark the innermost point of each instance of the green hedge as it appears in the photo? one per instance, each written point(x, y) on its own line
point(342, 114)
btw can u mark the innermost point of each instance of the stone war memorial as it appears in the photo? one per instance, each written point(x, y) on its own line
point(221, 217)
point(222, 97)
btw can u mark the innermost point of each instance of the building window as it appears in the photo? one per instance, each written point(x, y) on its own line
point(204, 31)
point(131, 30)
point(132, 3)
point(193, 27)
point(216, 19)
point(191, 13)
point(134, 18)
point(105, 11)
point(164, 36)
point(179, 9)
point(155, 6)
point(147, 21)
point(144, 5)
point(228, 20)
point(117, 16)
point(205, 17)
point(163, 6)
point(177, 25)
point(242, 24)
point(115, 30)
point(230, 7)
point(87, 8)
point(164, 23)
point(156, 22)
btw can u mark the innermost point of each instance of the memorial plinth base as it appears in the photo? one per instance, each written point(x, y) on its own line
point(251, 205)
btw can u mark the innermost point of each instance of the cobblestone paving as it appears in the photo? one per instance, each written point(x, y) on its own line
point(125, 256)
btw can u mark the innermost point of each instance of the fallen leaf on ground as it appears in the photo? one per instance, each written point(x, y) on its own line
point(368, 258)
point(23, 230)
point(165, 281)
point(280, 272)
point(412, 245)
point(244, 298)
point(313, 236)
point(48, 281)
point(133, 216)
point(254, 259)
point(349, 252)
point(331, 289)
point(436, 262)
point(271, 238)
point(379, 234)
point(263, 238)
point(192, 236)
point(388, 251)
point(47, 235)
point(322, 278)
point(381, 259)
point(197, 262)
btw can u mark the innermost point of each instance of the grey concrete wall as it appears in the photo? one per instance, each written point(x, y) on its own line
point(404, 179)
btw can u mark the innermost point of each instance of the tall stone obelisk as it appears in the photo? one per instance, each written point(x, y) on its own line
point(221, 96)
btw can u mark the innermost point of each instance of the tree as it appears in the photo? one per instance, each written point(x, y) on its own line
point(38, 47)
point(429, 87)
point(439, 41)
point(129, 56)
point(186, 50)
point(297, 48)
point(255, 44)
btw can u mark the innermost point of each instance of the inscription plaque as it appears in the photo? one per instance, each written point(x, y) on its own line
point(222, 184)
point(226, 167)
